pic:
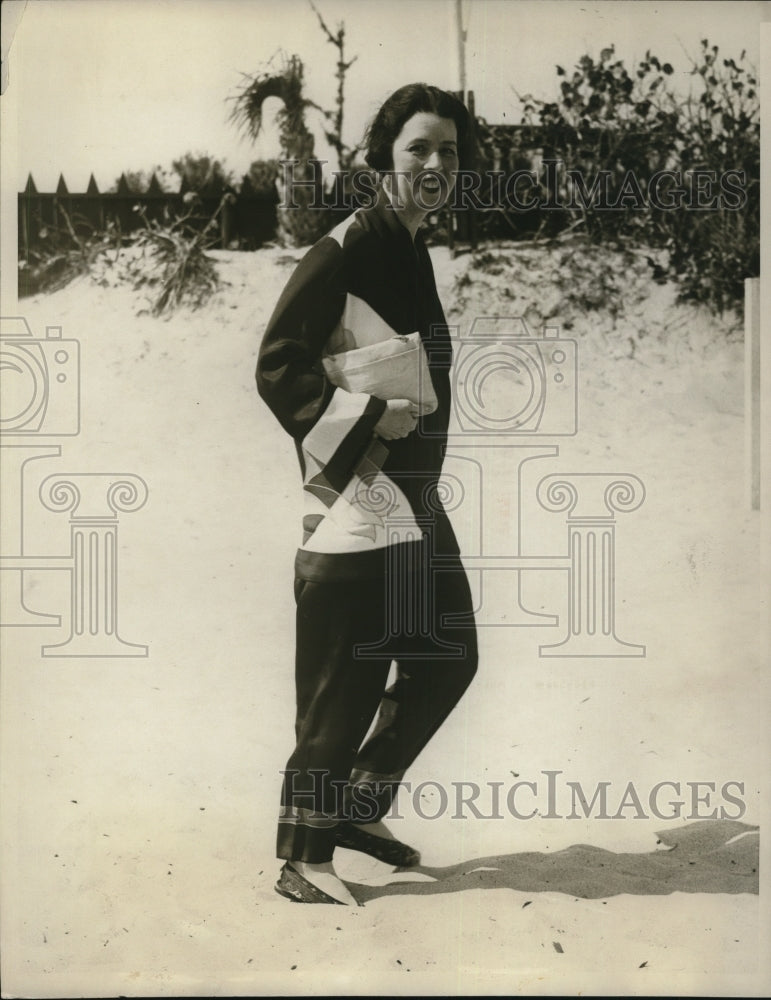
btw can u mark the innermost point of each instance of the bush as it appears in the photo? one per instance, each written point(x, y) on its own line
point(65, 253)
point(202, 174)
point(139, 181)
point(169, 260)
point(607, 120)
point(165, 259)
point(262, 176)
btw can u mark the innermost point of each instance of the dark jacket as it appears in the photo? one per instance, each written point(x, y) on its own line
point(365, 498)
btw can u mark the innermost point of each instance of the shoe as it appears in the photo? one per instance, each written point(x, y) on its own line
point(292, 885)
point(392, 852)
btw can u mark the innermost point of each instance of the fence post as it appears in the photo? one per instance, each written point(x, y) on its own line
point(94, 205)
point(752, 390)
point(62, 195)
point(226, 222)
point(24, 211)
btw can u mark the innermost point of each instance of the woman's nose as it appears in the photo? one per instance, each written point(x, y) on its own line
point(434, 162)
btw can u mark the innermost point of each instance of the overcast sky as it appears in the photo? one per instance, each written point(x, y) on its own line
point(108, 85)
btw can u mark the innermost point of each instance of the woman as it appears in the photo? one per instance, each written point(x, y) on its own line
point(378, 577)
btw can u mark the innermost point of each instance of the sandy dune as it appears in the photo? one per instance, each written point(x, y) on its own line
point(139, 793)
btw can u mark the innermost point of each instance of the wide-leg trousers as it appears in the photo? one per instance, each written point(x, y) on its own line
point(348, 635)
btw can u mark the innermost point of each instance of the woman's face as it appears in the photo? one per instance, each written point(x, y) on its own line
point(425, 143)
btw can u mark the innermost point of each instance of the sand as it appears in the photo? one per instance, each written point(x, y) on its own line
point(140, 792)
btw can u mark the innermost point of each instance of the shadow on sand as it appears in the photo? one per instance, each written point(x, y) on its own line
point(715, 856)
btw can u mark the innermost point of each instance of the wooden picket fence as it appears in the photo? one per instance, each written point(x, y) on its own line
point(247, 220)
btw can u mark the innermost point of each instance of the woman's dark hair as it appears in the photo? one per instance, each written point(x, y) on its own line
point(400, 107)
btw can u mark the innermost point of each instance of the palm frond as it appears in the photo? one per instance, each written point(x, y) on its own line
point(282, 77)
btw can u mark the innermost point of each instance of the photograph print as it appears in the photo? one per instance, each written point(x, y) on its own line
point(384, 573)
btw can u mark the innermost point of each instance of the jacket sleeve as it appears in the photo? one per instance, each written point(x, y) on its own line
point(332, 425)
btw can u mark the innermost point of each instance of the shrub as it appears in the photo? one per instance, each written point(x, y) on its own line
point(65, 253)
point(606, 119)
point(139, 181)
point(169, 259)
point(202, 174)
point(262, 176)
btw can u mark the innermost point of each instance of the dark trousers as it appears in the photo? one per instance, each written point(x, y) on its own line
point(347, 636)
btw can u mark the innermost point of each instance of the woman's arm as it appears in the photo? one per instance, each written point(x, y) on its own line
point(333, 425)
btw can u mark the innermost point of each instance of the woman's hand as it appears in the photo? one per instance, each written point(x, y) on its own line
point(399, 419)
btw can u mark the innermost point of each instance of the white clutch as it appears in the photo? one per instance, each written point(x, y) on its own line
point(396, 368)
